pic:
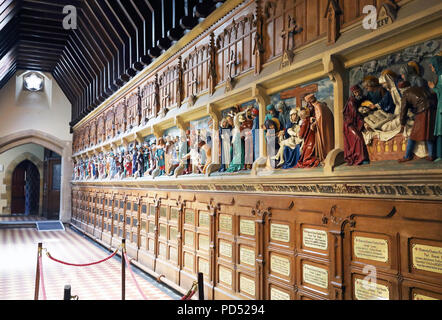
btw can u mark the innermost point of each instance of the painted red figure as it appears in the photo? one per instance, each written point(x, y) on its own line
point(308, 133)
point(355, 150)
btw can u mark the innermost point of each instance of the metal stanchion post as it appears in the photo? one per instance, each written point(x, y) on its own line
point(67, 292)
point(201, 286)
point(123, 270)
point(37, 273)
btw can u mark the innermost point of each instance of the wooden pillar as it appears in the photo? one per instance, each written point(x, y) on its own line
point(263, 101)
point(338, 75)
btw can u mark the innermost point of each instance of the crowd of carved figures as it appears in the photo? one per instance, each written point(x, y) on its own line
point(395, 104)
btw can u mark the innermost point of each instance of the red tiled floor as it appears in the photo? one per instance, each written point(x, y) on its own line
point(18, 255)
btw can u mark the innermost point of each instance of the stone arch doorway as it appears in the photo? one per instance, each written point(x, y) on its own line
point(25, 189)
point(61, 147)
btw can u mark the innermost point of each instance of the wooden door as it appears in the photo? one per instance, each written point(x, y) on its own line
point(18, 199)
point(54, 187)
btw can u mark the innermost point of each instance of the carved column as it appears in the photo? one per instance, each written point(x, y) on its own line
point(261, 215)
point(212, 65)
point(263, 100)
point(216, 118)
point(258, 49)
point(335, 227)
point(337, 74)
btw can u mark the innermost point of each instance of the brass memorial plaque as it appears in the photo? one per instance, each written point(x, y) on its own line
point(418, 296)
point(371, 249)
point(280, 232)
point(225, 276)
point(247, 227)
point(188, 260)
point(173, 233)
point(151, 245)
point(225, 249)
point(163, 212)
point(247, 285)
point(203, 242)
point(276, 294)
point(174, 214)
point(189, 217)
point(203, 266)
point(280, 265)
point(427, 258)
point(163, 231)
point(204, 219)
point(173, 254)
point(370, 290)
point(225, 223)
point(188, 238)
point(151, 227)
point(316, 239)
point(247, 256)
point(163, 250)
point(315, 276)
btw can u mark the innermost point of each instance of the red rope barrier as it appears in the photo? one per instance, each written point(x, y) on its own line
point(191, 292)
point(81, 265)
point(43, 290)
point(133, 277)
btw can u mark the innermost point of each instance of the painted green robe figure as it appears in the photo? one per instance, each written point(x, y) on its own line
point(237, 163)
point(436, 66)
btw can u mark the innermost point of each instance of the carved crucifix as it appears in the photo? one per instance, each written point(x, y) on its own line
point(288, 36)
point(230, 83)
point(192, 85)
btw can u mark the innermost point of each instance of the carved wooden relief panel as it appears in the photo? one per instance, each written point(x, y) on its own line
point(121, 119)
point(133, 111)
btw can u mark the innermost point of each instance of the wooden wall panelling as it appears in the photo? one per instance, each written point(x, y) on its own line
point(149, 99)
point(226, 255)
point(97, 211)
point(148, 233)
point(110, 125)
point(93, 133)
point(196, 71)
point(234, 46)
point(169, 89)
point(314, 246)
point(204, 257)
point(189, 238)
point(118, 221)
point(167, 259)
point(107, 218)
point(131, 219)
point(121, 120)
point(247, 232)
point(133, 111)
point(280, 254)
point(101, 129)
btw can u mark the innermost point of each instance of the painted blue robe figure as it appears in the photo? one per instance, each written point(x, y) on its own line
point(145, 158)
point(378, 95)
point(134, 161)
point(271, 113)
point(290, 149)
point(255, 128)
point(160, 156)
point(284, 116)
